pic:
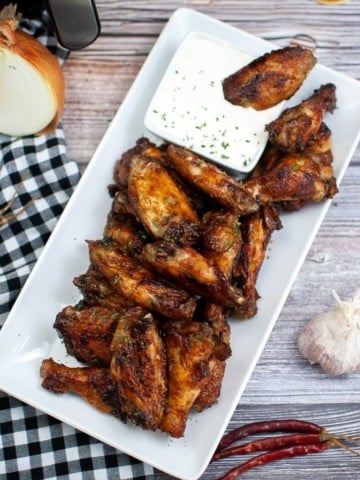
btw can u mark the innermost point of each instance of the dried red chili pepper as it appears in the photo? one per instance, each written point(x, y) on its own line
point(275, 455)
point(281, 425)
point(272, 443)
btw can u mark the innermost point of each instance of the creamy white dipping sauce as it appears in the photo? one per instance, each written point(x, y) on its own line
point(189, 107)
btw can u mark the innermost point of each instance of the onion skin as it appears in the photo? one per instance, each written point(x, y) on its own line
point(30, 49)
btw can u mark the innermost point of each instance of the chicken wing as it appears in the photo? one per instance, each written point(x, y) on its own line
point(138, 368)
point(191, 270)
point(138, 284)
point(215, 316)
point(269, 79)
point(210, 179)
point(87, 333)
point(97, 291)
point(189, 347)
point(160, 204)
point(94, 384)
point(126, 232)
point(256, 232)
point(297, 176)
point(297, 126)
point(222, 240)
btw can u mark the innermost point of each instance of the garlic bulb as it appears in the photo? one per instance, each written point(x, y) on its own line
point(31, 81)
point(332, 339)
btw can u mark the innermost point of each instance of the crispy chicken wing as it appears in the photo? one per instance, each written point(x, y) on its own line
point(191, 270)
point(222, 240)
point(138, 284)
point(97, 291)
point(297, 176)
point(94, 384)
point(143, 146)
point(210, 179)
point(87, 333)
point(189, 347)
point(126, 232)
point(215, 316)
point(256, 231)
point(299, 125)
point(138, 368)
point(159, 202)
point(269, 79)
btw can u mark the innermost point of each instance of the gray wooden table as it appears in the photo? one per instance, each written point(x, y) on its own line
point(283, 384)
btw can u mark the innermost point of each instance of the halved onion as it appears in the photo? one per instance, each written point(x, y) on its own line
point(32, 86)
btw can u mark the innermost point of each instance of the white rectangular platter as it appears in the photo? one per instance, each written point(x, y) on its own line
point(28, 335)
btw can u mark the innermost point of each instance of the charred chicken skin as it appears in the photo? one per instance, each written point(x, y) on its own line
point(256, 232)
point(160, 204)
point(87, 333)
point(297, 126)
point(191, 270)
point(138, 368)
point(210, 179)
point(269, 79)
point(189, 347)
point(142, 287)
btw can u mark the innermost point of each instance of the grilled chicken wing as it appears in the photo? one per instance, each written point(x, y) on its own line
point(143, 146)
point(269, 79)
point(87, 333)
point(215, 316)
point(210, 179)
point(222, 240)
point(126, 232)
point(297, 176)
point(97, 291)
point(191, 270)
point(299, 125)
point(138, 284)
point(94, 384)
point(138, 368)
point(160, 204)
point(256, 231)
point(189, 347)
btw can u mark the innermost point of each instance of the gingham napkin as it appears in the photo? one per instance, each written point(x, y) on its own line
point(32, 444)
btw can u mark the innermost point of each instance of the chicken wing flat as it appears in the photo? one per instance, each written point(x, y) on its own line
point(87, 333)
point(256, 231)
point(214, 315)
point(138, 284)
point(297, 126)
point(189, 347)
point(143, 146)
point(269, 79)
point(191, 270)
point(97, 291)
point(222, 240)
point(210, 179)
point(138, 368)
point(126, 232)
point(160, 204)
point(297, 176)
point(94, 384)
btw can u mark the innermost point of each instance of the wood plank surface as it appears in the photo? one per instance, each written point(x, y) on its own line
point(283, 384)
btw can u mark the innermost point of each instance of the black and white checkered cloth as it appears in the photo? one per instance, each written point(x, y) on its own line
point(32, 444)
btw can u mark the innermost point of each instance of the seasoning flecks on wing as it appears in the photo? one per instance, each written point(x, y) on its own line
point(214, 182)
point(189, 347)
point(138, 284)
point(269, 79)
point(191, 270)
point(94, 384)
point(297, 126)
point(159, 202)
point(138, 368)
